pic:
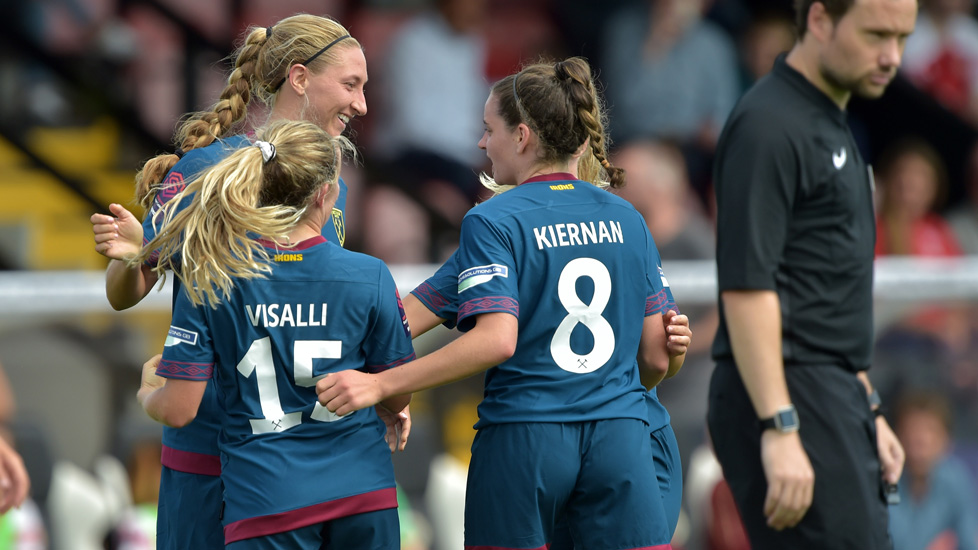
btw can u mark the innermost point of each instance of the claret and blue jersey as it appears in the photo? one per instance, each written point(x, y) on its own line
point(577, 266)
point(287, 461)
point(193, 448)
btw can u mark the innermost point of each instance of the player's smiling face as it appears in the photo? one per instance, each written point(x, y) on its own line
point(336, 94)
point(499, 143)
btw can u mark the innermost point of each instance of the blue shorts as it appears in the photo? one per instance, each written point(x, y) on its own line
point(668, 472)
point(189, 511)
point(523, 477)
point(378, 530)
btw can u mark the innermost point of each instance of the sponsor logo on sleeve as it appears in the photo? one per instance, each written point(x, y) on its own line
point(178, 335)
point(662, 275)
point(477, 275)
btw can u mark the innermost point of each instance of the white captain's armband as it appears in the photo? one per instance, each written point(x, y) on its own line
point(480, 274)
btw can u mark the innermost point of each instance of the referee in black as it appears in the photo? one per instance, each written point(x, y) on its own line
point(791, 411)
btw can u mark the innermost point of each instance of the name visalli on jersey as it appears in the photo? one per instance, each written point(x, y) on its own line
point(285, 458)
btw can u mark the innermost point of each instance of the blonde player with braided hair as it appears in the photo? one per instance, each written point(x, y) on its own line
point(258, 280)
point(304, 67)
point(560, 298)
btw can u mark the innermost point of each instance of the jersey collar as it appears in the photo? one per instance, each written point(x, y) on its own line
point(806, 88)
point(302, 245)
point(556, 176)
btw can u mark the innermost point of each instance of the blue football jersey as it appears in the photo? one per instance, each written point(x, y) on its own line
point(193, 448)
point(439, 293)
point(578, 267)
point(287, 461)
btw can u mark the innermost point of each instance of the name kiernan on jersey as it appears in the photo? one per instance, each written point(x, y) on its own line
point(576, 234)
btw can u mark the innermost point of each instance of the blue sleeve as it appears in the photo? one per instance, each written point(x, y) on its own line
point(188, 353)
point(487, 280)
point(439, 293)
point(659, 297)
point(388, 343)
point(172, 185)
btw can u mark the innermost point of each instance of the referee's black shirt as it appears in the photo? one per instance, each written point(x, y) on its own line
point(795, 215)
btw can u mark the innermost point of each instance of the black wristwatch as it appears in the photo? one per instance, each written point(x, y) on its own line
point(876, 403)
point(784, 421)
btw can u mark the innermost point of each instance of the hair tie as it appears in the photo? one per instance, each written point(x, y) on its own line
point(267, 150)
point(606, 164)
point(179, 153)
point(311, 59)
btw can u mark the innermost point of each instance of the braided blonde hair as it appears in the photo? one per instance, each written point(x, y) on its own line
point(259, 63)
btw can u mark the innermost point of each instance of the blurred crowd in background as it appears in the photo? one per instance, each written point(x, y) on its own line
point(671, 71)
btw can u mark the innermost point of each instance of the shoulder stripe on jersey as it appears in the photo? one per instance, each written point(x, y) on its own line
point(657, 304)
point(185, 370)
point(489, 304)
point(430, 297)
point(380, 368)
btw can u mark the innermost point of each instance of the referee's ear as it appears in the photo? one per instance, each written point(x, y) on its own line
point(820, 22)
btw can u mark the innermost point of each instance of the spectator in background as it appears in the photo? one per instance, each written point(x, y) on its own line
point(938, 509)
point(941, 57)
point(670, 74)
point(436, 87)
point(658, 187)
point(767, 36)
point(964, 217)
point(912, 184)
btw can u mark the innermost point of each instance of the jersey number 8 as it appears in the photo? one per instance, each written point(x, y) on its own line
point(588, 315)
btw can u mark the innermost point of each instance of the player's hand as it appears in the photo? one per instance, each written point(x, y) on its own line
point(14, 483)
point(890, 450)
point(790, 479)
point(398, 426)
point(678, 334)
point(117, 237)
point(151, 382)
point(348, 391)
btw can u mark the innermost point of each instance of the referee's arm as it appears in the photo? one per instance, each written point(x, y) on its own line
point(753, 320)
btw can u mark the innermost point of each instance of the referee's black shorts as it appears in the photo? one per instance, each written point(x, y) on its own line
point(838, 431)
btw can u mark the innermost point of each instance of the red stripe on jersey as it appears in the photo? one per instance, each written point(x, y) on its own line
point(281, 522)
point(190, 462)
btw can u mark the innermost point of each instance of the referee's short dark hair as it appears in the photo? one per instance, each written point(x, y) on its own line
point(835, 8)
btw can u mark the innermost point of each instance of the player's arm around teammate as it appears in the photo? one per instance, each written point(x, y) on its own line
point(304, 67)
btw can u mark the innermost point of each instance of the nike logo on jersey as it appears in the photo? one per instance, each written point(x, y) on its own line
point(839, 159)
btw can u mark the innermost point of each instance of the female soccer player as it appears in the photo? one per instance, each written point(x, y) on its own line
point(435, 302)
point(265, 318)
point(304, 67)
point(559, 292)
